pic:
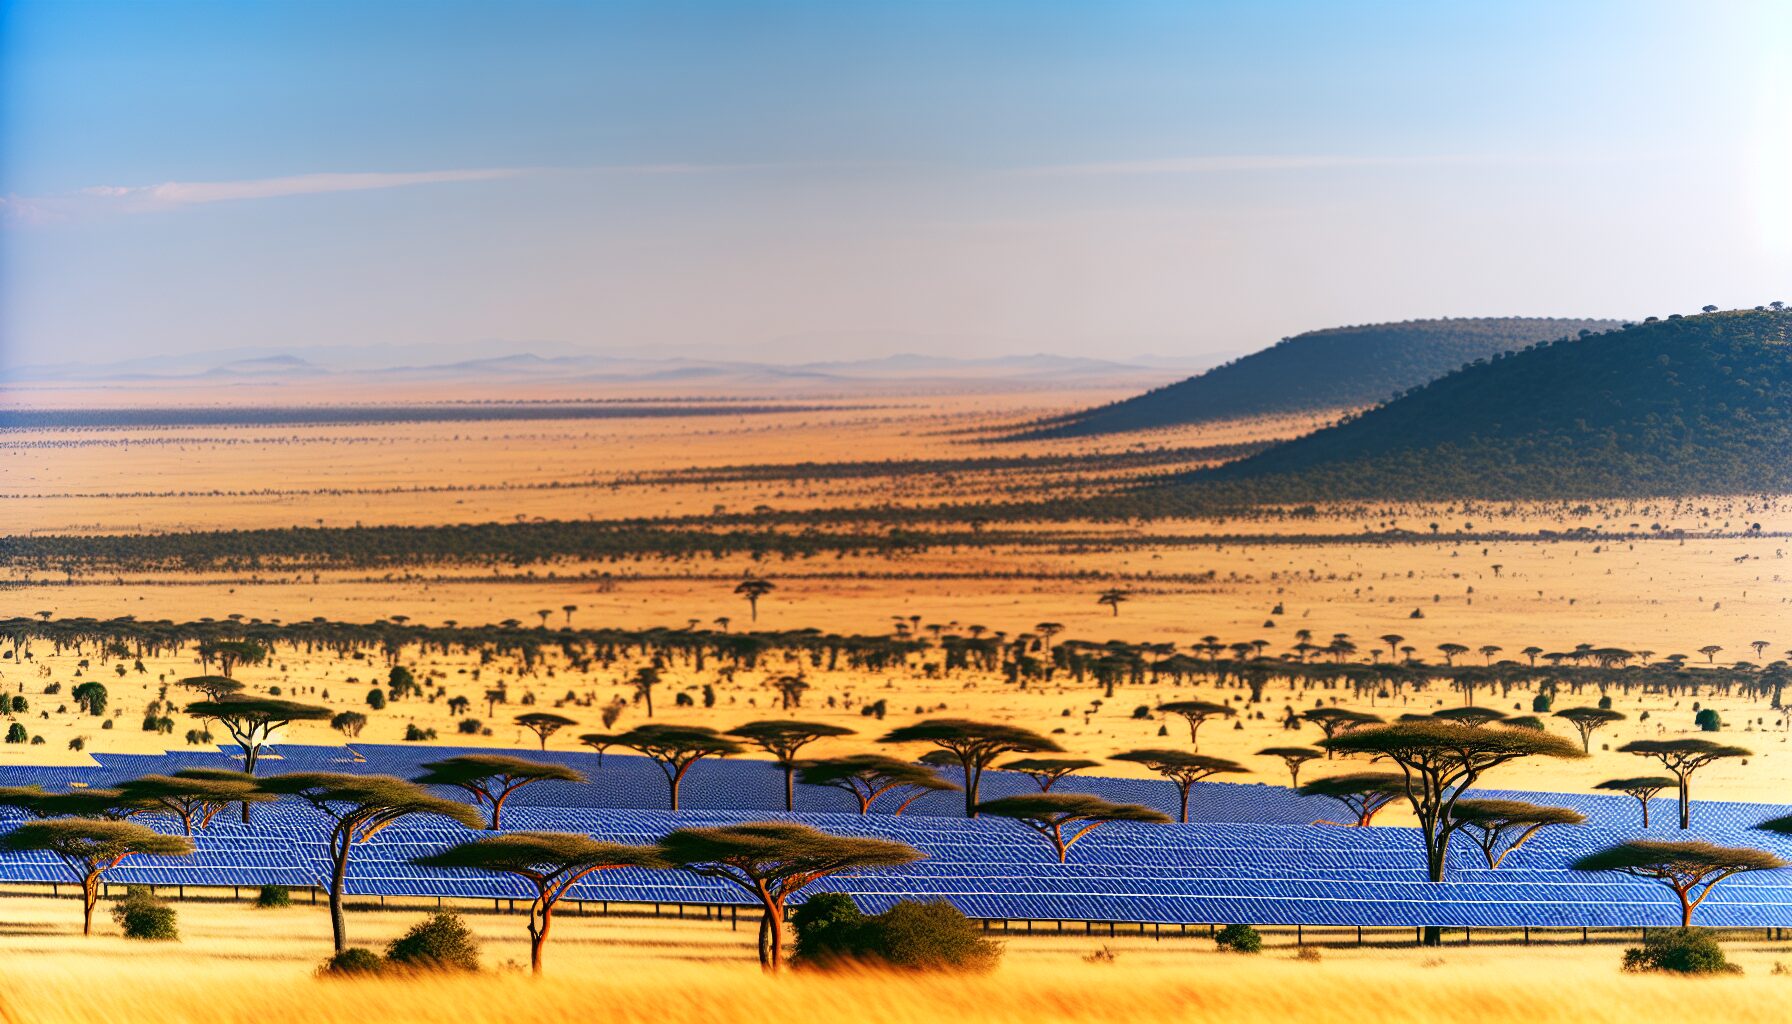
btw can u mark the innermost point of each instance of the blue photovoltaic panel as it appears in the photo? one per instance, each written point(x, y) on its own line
point(1252, 857)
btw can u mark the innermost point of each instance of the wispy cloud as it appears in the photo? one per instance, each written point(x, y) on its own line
point(188, 193)
point(1228, 163)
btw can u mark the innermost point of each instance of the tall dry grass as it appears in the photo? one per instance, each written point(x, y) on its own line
point(1236, 991)
point(235, 964)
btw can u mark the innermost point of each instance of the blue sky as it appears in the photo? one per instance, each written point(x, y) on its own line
point(828, 179)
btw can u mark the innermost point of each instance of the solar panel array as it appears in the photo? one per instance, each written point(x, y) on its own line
point(1251, 857)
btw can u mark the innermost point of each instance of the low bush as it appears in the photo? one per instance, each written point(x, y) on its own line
point(274, 896)
point(911, 935)
point(441, 942)
point(1679, 951)
point(1239, 938)
point(141, 916)
point(352, 961)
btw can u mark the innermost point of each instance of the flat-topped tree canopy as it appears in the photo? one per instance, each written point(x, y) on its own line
point(772, 861)
point(870, 776)
point(359, 808)
point(1049, 814)
point(1440, 761)
point(214, 687)
point(783, 740)
point(974, 745)
point(1689, 869)
point(1587, 721)
point(550, 861)
point(490, 779)
point(24, 798)
point(1469, 715)
point(90, 848)
point(252, 721)
point(1682, 758)
point(1502, 826)
point(676, 747)
point(1364, 793)
point(1182, 768)
point(195, 796)
point(91, 802)
point(544, 724)
point(1293, 757)
point(1046, 772)
point(1195, 712)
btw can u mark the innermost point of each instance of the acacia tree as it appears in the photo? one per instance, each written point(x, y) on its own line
point(1337, 721)
point(773, 861)
point(783, 740)
point(1195, 712)
point(1047, 772)
point(1587, 721)
point(1642, 789)
point(753, 588)
point(194, 796)
point(1363, 793)
point(1049, 814)
point(552, 862)
point(1470, 715)
point(1181, 768)
point(91, 848)
point(490, 778)
point(1113, 599)
point(252, 722)
point(359, 807)
point(214, 687)
point(1294, 758)
point(974, 745)
point(1681, 758)
point(869, 777)
point(1689, 870)
point(1500, 826)
point(1439, 763)
point(544, 724)
point(675, 748)
point(109, 804)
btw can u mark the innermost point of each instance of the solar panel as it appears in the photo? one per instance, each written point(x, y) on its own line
point(1252, 857)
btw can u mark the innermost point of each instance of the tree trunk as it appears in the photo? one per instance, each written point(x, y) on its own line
point(1184, 805)
point(538, 935)
point(338, 875)
point(1685, 804)
point(789, 787)
point(971, 779)
point(90, 895)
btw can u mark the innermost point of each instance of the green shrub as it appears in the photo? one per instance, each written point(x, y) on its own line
point(828, 927)
point(352, 961)
point(1708, 720)
point(911, 935)
point(1239, 938)
point(1542, 702)
point(928, 936)
point(274, 896)
point(142, 916)
point(1680, 951)
point(439, 943)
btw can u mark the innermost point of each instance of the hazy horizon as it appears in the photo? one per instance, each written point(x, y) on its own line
point(792, 182)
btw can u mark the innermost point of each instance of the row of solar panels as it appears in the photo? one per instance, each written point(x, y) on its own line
point(625, 781)
point(1258, 874)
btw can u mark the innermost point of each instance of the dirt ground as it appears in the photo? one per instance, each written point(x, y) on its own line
point(1663, 595)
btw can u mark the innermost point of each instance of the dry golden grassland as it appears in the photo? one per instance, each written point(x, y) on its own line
point(234, 963)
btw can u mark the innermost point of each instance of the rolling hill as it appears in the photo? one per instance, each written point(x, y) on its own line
point(1337, 368)
point(1693, 405)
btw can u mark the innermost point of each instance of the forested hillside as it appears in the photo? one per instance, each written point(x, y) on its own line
point(1692, 405)
point(1337, 368)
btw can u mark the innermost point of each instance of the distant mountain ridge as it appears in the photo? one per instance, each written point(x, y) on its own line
point(1683, 406)
point(1335, 368)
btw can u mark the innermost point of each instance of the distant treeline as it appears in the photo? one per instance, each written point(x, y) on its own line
point(451, 412)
